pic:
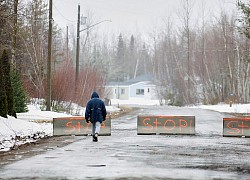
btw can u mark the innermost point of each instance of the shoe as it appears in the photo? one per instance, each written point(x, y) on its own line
point(95, 137)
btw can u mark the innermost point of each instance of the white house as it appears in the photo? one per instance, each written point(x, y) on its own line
point(139, 87)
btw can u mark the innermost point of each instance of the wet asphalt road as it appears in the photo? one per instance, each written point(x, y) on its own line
point(126, 155)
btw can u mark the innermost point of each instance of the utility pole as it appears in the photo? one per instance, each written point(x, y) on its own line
point(78, 43)
point(67, 44)
point(14, 33)
point(48, 87)
point(77, 50)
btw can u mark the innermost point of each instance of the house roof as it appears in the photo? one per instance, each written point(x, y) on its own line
point(142, 78)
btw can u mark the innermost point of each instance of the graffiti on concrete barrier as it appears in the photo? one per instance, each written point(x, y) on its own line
point(166, 125)
point(77, 126)
point(236, 127)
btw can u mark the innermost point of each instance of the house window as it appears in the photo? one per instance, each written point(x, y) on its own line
point(139, 91)
point(122, 91)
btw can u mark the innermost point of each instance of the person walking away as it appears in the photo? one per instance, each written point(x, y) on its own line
point(95, 113)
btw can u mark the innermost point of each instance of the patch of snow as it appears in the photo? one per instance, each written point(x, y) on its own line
point(236, 108)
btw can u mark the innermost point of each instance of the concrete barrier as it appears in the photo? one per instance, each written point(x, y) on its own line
point(78, 126)
point(236, 127)
point(165, 125)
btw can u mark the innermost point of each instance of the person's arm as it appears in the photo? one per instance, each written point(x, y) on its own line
point(87, 112)
point(104, 112)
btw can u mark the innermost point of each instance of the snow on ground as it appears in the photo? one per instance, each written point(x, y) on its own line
point(35, 124)
point(236, 108)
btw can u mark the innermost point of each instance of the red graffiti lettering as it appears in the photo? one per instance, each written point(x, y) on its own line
point(78, 126)
point(183, 124)
point(242, 126)
point(74, 125)
point(156, 123)
point(145, 123)
point(70, 127)
point(169, 121)
point(166, 124)
point(232, 126)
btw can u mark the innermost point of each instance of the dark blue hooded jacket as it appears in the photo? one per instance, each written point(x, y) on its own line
point(95, 109)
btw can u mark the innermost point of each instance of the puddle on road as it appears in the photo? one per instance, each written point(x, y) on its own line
point(50, 157)
point(97, 165)
point(68, 150)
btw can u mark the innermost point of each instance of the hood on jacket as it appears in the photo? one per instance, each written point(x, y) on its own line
point(94, 95)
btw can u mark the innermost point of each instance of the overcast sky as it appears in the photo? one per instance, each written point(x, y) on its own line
point(130, 16)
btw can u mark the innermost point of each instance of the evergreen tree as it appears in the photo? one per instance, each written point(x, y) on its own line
point(245, 19)
point(20, 97)
point(7, 84)
point(120, 59)
point(120, 50)
point(3, 98)
point(5, 30)
point(131, 58)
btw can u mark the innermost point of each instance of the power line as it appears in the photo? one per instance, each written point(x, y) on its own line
point(62, 14)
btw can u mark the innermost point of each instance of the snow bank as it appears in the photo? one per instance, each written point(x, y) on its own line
point(14, 132)
point(236, 108)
